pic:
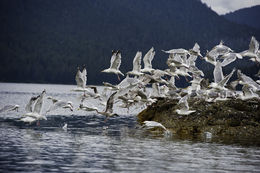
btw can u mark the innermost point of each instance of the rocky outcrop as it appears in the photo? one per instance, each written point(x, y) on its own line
point(230, 120)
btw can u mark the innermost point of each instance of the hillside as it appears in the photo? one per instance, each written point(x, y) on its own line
point(45, 40)
point(248, 16)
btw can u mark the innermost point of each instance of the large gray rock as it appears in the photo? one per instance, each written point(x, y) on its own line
point(232, 120)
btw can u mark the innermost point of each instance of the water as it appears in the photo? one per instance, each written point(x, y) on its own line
point(92, 145)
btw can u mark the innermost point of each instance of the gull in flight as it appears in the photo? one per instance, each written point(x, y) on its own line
point(253, 51)
point(136, 65)
point(217, 51)
point(81, 80)
point(9, 108)
point(34, 108)
point(153, 124)
point(246, 80)
point(177, 51)
point(148, 57)
point(229, 58)
point(184, 107)
point(59, 104)
point(219, 80)
point(115, 63)
point(87, 108)
point(109, 107)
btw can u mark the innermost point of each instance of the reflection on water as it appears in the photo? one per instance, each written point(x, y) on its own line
point(92, 145)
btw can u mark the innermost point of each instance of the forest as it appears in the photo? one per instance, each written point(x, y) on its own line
point(44, 41)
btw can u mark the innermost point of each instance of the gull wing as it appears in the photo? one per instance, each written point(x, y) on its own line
point(196, 48)
point(228, 58)
point(156, 89)
point(110, 103)
point(84, 76)
point(113, 57)
point(177, 51)
point(254, 45)
point(38, 104)
point(148, 57)
point(183, 103)
point(117, 61)
point(30, 105)
point(218, 74)
point(57, 105)
point(7, 108)
point(137, 62)
point(247, 80)
point(226, 79)
point(79, 79)
point(152, 124)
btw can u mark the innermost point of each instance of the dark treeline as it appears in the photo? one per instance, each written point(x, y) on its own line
point(45, 40)
point(247, 16)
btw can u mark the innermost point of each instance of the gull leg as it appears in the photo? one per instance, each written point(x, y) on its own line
point(118, 77)
point(38, 123)
point(106, 119)
point(186, 79)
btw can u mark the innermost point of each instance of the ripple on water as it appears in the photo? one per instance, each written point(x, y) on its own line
point(92, 145)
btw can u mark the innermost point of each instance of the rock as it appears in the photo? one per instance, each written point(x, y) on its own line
point(231, 120)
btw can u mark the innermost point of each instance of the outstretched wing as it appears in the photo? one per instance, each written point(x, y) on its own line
point(7, 108)
point(228, 58)
point(183, 103)
point(226, 79)
point(254, 45)
point(79, 79)
point(110, 103)
point(218, 73)
point(84, 76)
point(116, 61)
point(148, 57)
point(137, 62)
point(30, 105)
point(38, 104)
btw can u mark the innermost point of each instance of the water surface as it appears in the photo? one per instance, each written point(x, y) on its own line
point(92, 145)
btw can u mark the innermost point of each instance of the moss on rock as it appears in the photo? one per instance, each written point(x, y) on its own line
point(233, 119)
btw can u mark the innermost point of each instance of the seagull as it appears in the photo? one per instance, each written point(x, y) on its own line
point(176, 61)
point(87, 108)
point(152, 124)
point(252, 52)
point(220, 49)
point(184, 107)
point(230, 57)
point(244, 79)
point(81, 80)
point(59, 104)
point(65, 127)
point(195, 51)
point(115, 63)
point(109, 107)
point(248, 92)
point(177, 51)
point(219, 80)
point(217, 51)
point(9, 108)
point(148, 57)
point(136, 65)
point(34, 108)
